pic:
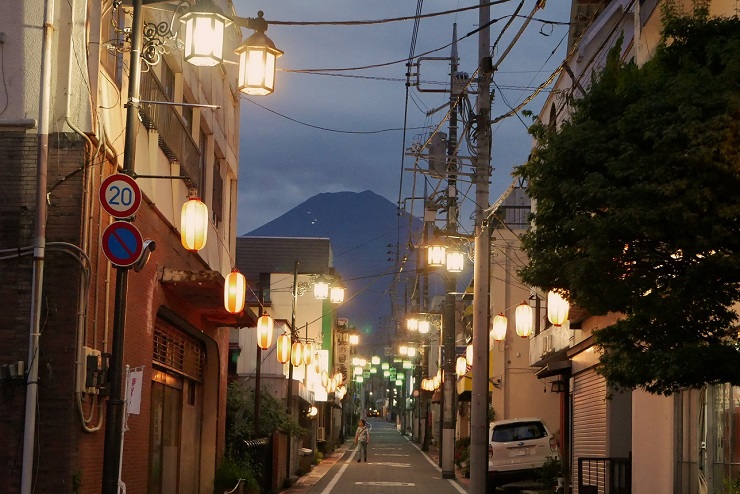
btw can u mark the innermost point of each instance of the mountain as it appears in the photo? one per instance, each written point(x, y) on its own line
point(364, 229)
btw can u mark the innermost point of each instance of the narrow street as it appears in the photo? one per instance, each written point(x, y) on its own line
point(394, 465)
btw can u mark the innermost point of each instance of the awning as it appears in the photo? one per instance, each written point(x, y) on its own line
point(558, 368)
point(204, 292)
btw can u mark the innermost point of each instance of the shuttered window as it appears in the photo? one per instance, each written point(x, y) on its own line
point(589, 418)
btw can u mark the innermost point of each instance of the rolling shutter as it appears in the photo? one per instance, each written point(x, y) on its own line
point(589, 418)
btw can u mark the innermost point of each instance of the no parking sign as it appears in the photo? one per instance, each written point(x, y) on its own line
point(122, 243)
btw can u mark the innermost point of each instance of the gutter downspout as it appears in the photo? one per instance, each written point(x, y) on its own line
point(39, 246)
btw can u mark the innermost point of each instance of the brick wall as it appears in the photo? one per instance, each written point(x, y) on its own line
point(68, 456)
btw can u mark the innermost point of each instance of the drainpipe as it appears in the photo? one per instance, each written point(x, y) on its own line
point(39, 246)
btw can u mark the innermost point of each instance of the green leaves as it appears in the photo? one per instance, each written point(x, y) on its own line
point(638, 210)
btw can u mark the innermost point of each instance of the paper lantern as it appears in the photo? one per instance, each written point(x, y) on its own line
point(557, 308)
point(265, 325)
point(524, 321)
point(498, 328)
point(283, 348)
point(235, 292)
point(194, 224)
point(296, 354)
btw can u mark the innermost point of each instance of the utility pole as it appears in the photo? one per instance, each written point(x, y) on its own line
point(293, 337)
point(448, 314)
point(481, 275)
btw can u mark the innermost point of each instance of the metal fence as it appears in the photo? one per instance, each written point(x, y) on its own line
point(259, 455)
point(604, 475)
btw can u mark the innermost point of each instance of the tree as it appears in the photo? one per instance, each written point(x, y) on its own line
point(638, 208)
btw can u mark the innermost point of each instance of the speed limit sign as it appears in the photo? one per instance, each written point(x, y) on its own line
point(120, 196)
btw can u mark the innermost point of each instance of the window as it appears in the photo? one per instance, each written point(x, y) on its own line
point(520, 431)
point(203, 165)
point(168, 81)
point(217, 206)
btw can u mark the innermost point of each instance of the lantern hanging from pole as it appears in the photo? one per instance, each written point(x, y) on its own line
point(283, 348)
point(336, 293)
point(436, 253)
point(424, 326)
point(461, 366)
point(296, 354)
point(412, 324)
point(375, 360)
point(321, 288)
point(469, 354)
point(455, 261)
point(339, 378)
point(557, 308)
point(257, 61)
point(324, 379)
point(317, 363)
point(403, 350)
point(265, 325)
point(235, 292)
point(524, 320)
point(354, 339)
point(411, 351)
point(498, 327)
point(205, 26)
point(308, 353)
point(194, 224)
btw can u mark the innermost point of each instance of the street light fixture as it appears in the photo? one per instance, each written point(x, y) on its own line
point(257, 60)
point(205, 25)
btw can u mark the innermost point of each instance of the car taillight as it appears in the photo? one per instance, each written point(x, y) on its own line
point(490, 451)
point(553, 444)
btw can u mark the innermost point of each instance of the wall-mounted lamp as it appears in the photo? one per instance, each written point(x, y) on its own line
point(257, 59)
point(205, 25)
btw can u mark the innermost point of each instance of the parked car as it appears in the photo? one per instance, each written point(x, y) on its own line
point(517, 448)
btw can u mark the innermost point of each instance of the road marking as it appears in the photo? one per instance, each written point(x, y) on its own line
point(392, 464)
point(393, 454)
point(452, 482)
point(388, 484)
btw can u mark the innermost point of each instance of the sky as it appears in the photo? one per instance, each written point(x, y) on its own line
point(343, 130)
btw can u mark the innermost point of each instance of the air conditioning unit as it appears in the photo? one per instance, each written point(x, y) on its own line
point(320, 434)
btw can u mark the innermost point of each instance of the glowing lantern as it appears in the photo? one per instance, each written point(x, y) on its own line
point(375, 360)
point(412, 324)
point(283, 348)
point(235, 292)
point(412, 351)
point(336, 293)
point(498, 329)
point(321, 288)
point(194, 224)
point(469, 355)
point(461, 366)
point(324, 378)
point(403, 350)
point(436, 253)
point(308, 353)
point(296, 354)
point(523, 320)
point(354, 339)
point(455, 261)
point(257, 61)
point(424, 326)
point(339, 378)
point(557, 308)
point(265, 325)
point(204, 34)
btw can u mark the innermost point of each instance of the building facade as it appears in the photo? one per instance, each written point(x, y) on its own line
point(66, 78)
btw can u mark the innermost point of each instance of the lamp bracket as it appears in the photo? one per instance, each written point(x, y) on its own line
point(185, 179)
point(171, 103)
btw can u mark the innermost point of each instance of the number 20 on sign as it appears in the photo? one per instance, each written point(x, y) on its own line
point(120, 195)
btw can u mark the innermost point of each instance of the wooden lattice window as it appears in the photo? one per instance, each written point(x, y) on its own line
point(177, 352)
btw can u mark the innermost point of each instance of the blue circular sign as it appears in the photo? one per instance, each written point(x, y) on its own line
point(122, 243)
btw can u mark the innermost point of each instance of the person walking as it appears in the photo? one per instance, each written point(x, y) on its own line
point(362, 437)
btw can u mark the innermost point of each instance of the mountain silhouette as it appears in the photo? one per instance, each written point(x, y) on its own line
point(369, 239)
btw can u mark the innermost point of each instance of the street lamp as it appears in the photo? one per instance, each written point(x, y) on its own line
point(257, 57)
point(205, 25)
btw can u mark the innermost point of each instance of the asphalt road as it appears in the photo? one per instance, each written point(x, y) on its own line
point(394, 465)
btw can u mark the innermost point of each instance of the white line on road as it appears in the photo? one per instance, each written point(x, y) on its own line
point(454, 484)
point(340, 472)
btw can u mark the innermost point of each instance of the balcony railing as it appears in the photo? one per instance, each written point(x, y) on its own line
point(604, 475)
point(174, 138)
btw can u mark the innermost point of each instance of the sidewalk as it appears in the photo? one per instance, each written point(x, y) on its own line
point(307, 481)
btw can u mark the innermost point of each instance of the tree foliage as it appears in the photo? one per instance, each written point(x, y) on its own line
point(638, 208)
point(240, 417)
